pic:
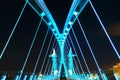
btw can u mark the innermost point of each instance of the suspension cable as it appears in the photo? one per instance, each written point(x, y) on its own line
point(76, 54)
point(46, 54)
point(41, 51)
point(76, 68)
point(13, 30)
point(50, 52)
point(90, 48)
point(81, 52)
point(113, 46)
point(30, 49)
point(47, 66)
point(75, 61)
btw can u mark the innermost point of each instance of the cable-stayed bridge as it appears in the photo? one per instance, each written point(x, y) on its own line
point(63, 60)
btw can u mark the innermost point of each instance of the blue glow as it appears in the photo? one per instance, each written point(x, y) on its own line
point(49, 23)
point(61, 37)
point(25, 77)
point(35, 77)
point(75, 9)
point(43, 6)
point(54, 64)
point(13, 30)
point(42, 14)
point(3, 77)
point(70, 23)
point(104, 30)
point(75, 13)
point(105, 77)
point(97, 77)
point(31, 76)
point(17, 77)
point(76, 3)
point(77, 70)
point(71, 66)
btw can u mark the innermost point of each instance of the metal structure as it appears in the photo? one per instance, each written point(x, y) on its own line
point(71, 71)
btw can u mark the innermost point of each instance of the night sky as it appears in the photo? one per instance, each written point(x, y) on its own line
point(13, 59)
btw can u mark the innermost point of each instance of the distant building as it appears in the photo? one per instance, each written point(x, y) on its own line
point(116, 69)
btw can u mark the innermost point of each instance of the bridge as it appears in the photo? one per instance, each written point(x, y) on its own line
point(61, 59)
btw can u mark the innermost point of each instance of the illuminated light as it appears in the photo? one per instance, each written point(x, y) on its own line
point(53, 54)
point(63, 40)
point(31, 77)
point(61, 43)
point(25, 77)
point(17, 77)
point(75, 13)
point(49, 23)
point(70, 23)
point(67, 29)
point(65, 34)
point(114, 66)
point(42, 14)
point(26, 0)
point(3, 77)
point(70, 72)
point(39, 78)
point(116, 76)
point(41, 75)
point(55, 72)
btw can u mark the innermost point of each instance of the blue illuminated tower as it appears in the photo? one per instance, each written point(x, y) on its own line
point(42, 10)
point(62, 57)
point(62, 63)
point(54, 64)
point(71, 70)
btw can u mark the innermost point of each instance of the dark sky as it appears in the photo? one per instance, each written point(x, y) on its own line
point(18, 47)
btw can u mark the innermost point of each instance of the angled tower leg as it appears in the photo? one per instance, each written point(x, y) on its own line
point(62, 61)
point(71, 70)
